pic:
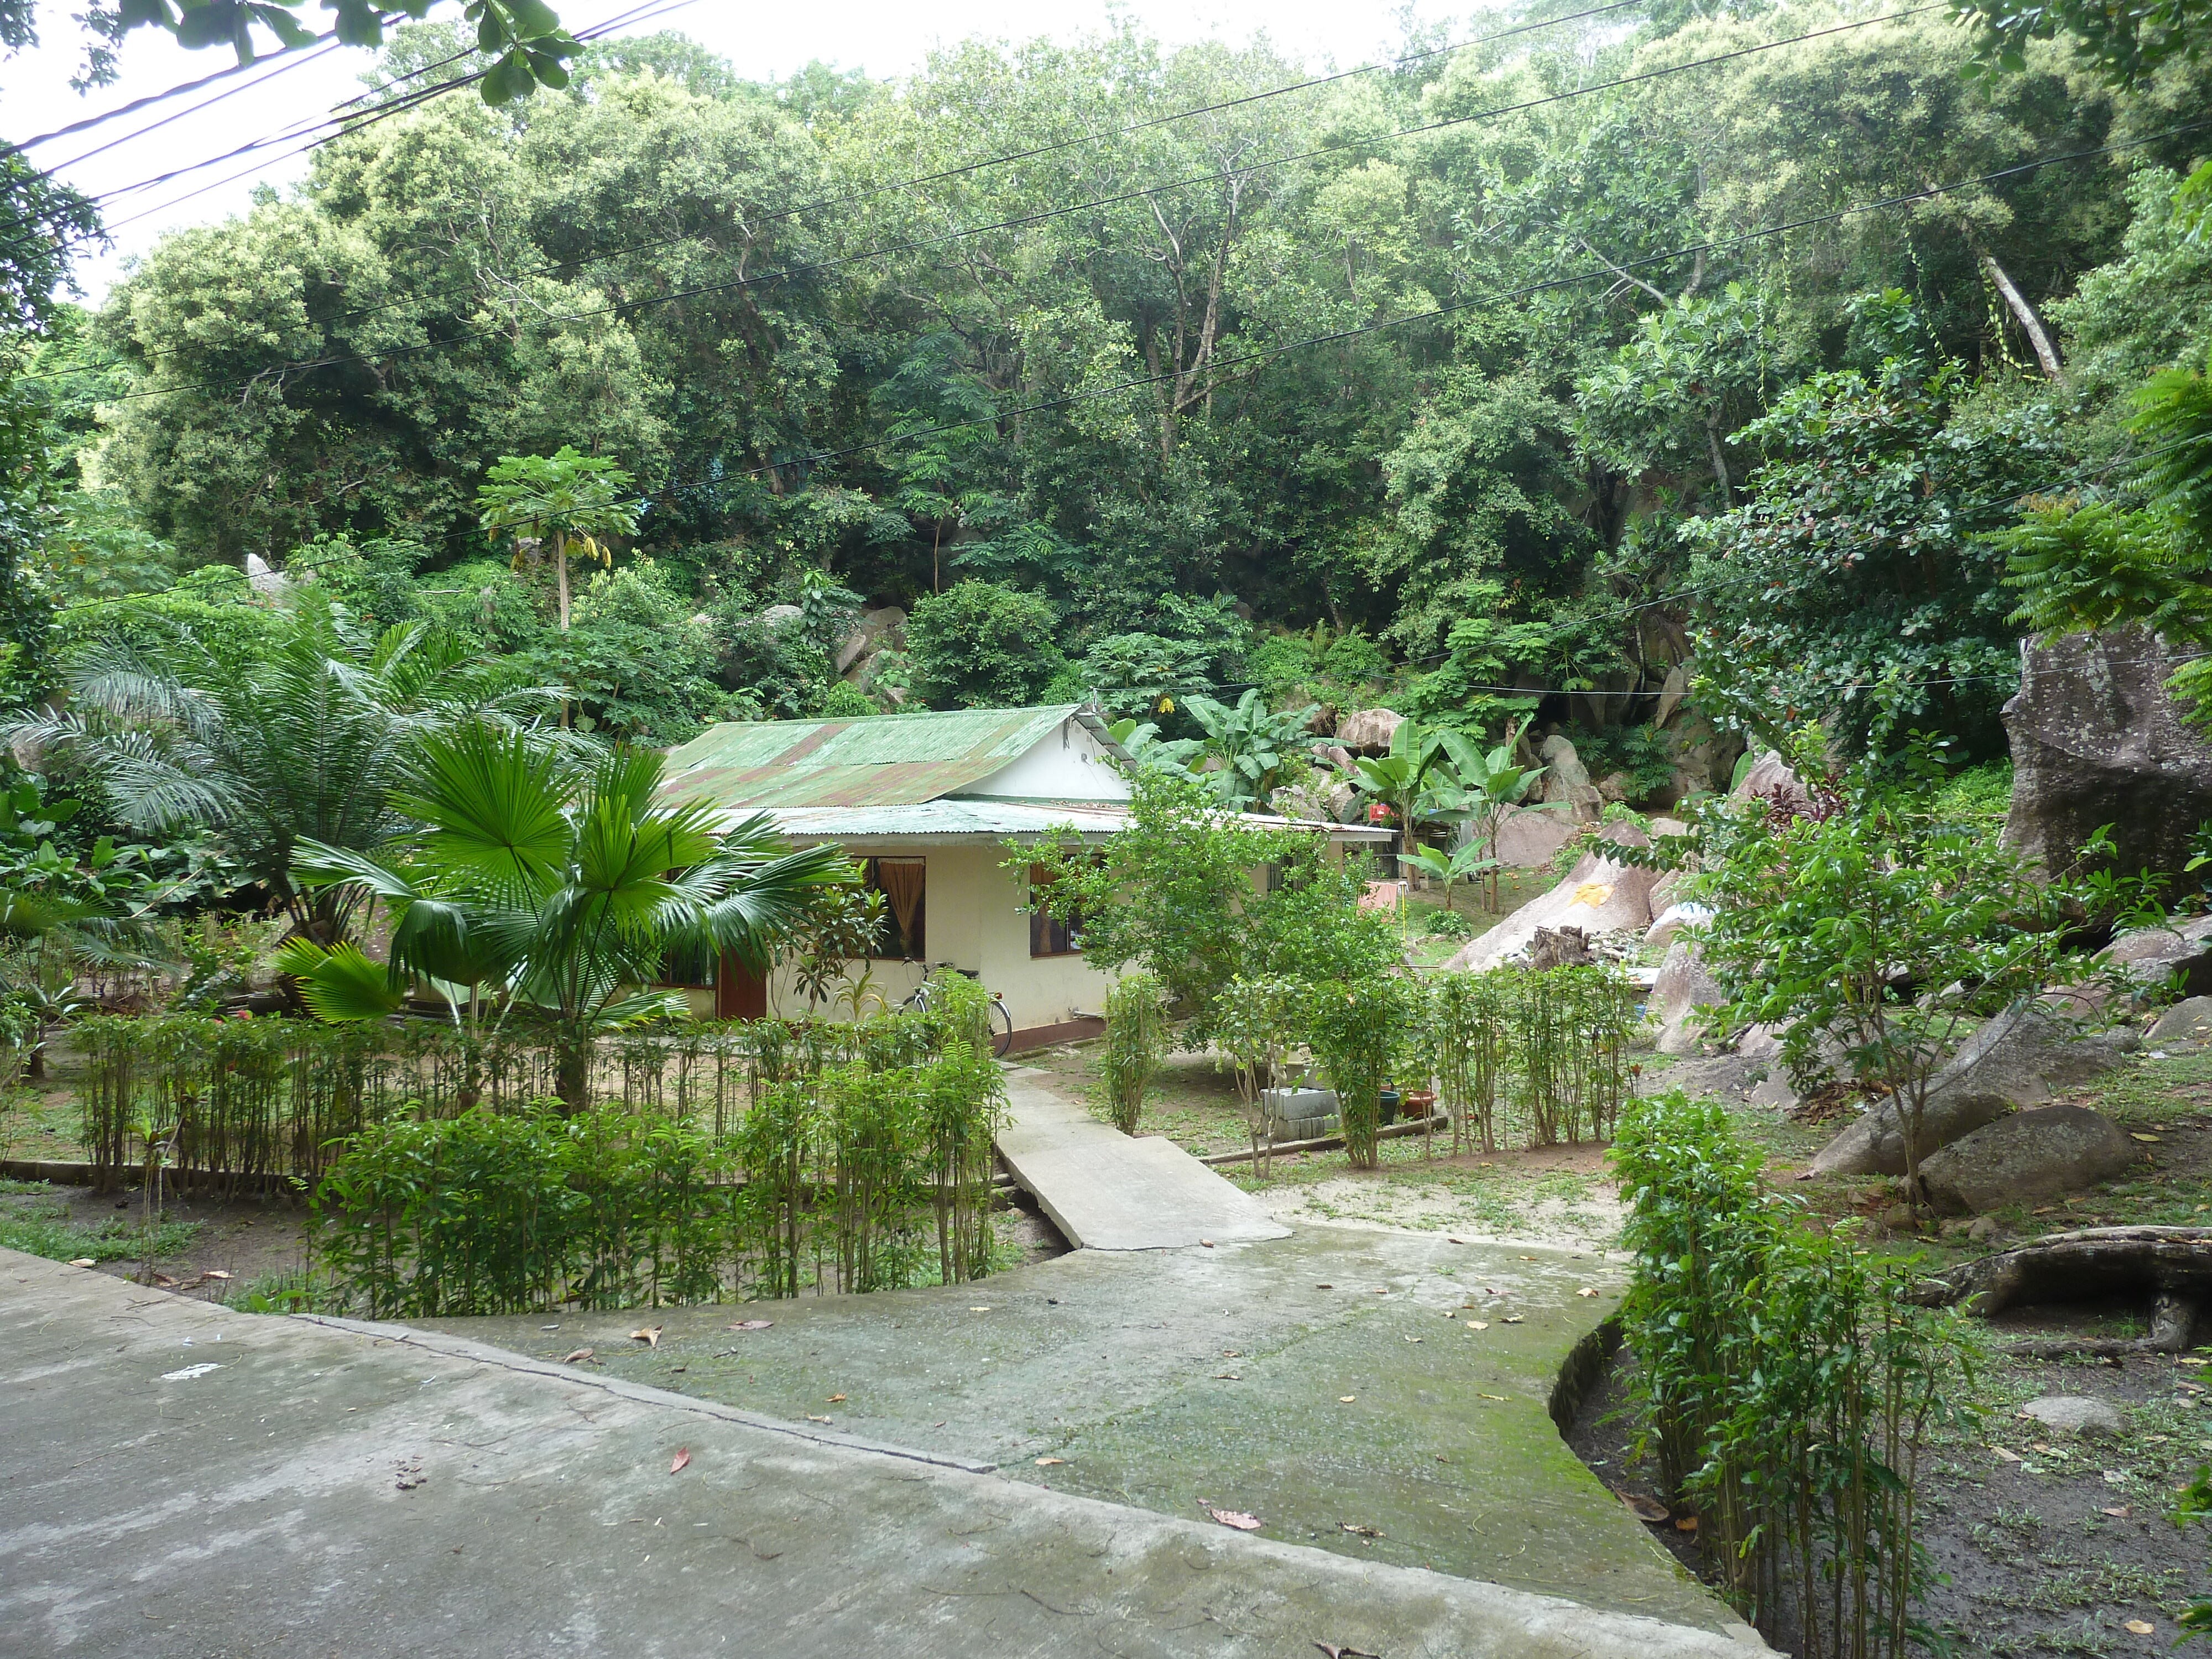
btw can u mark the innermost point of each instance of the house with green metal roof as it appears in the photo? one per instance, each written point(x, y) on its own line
point(928, 803)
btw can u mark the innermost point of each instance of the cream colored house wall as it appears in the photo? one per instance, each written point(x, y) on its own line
point(1070, 765)
point(976, 922)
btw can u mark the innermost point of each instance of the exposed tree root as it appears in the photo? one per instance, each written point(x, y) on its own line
point(2172, 1264)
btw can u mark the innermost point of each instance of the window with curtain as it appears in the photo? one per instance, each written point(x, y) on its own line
point(903, 883)
point(1049, 937)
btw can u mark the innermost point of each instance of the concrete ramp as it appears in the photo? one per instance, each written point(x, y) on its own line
point(183, 1480)
point(1105, 1191)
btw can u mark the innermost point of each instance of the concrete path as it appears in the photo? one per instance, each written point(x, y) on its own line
point(1106, 1191)
point(1176, 1379)
point(178, 1479)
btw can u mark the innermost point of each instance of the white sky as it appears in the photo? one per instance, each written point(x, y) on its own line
point(883, 37)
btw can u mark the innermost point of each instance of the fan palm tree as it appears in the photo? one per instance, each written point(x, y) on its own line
point(553, 890)
point(302, 741)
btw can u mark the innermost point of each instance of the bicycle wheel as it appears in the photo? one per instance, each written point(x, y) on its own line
point(1002, 1024)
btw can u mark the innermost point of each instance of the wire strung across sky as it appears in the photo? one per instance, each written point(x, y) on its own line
point(1498, 297)
point(1042, 215)
point(988, 163)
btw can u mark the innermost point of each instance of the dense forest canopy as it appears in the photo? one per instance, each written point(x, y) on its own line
point(1566, 348)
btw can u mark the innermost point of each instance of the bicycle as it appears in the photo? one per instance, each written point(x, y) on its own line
point(1002, 1023)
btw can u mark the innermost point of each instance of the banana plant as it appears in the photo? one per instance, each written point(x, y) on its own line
point(1251, 744)
point(1471, 859)
point(1142, 742)
point(1413, 778)
point(1486, 785)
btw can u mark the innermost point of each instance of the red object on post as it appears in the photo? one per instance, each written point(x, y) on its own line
point(1379, 813)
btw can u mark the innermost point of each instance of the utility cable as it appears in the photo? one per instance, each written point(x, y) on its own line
point(967, 169)
point(1138, 383)
point(791, 273)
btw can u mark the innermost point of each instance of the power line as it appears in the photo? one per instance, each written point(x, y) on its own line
point(151, 98)
point(790, 273)
point(283, 64)
point(852, 197)
point(345, 123)
point(1142, 382)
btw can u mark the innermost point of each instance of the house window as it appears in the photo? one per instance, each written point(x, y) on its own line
point(690, 965)
point(904, 935)
point(1049, 937)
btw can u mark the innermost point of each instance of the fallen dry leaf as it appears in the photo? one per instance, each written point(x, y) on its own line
point(683, 1456)
point(1586, 1291)
point(1450, 1240)
point(1227, 1377)
point(1687, 1523)
point(650, 1336)
point(2152, 1138)
point(1345, 1399)
point(1207, 1242)
point(2039, 1446)
point(577, 1357)
point(1478, 1324)
point(751, 1325)
point(1336, 1652)
point(1236, 1518)
point(979, 1310)
point(1412, 1338)
point(1645, 1509)
point(836, 1399)
point(1357, 1530)
point(2120, 1514)
point(1499, 1398)
point(811, 1418)
point(2008, 1456)
point(1046, 1462)
point(215, 1273)
point(2140, 1626)
point(84, 1262)
point(1324, 1287)
point(1509, 1319)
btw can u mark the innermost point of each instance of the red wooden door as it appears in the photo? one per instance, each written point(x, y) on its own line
point(739, 994)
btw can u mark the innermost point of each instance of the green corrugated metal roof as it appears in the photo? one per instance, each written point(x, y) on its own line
point(884, 760)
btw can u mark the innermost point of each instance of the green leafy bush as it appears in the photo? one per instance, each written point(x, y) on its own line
point(1449, 924)
point(834, 1177)
point(1197, 897)
point(1790, 1388)
point(1357, 1028)
point(1136, 1042)
point(978, 645)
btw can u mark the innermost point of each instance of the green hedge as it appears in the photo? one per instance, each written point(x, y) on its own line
point(1789, 1388)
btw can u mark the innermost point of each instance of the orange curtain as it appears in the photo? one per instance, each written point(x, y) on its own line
point(902, 882)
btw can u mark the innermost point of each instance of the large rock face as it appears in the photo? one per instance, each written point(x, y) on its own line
point(2096, 740)
point(1528, 836)
point(2021, 1057)
point(1368, 730)
point(1598, 897)
point(2155, 955)
point(2025, 1156)
point(1683, 986)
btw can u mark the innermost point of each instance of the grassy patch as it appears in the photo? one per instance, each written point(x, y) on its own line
point(38, 1233)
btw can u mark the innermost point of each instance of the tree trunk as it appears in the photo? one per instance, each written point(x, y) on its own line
point(572, 1072)
point(560, 573)
point(2173, 1264)
point(1720, 459)
point(2046, 352)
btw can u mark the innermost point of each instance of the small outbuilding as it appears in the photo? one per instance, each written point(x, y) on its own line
point(933, 807)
